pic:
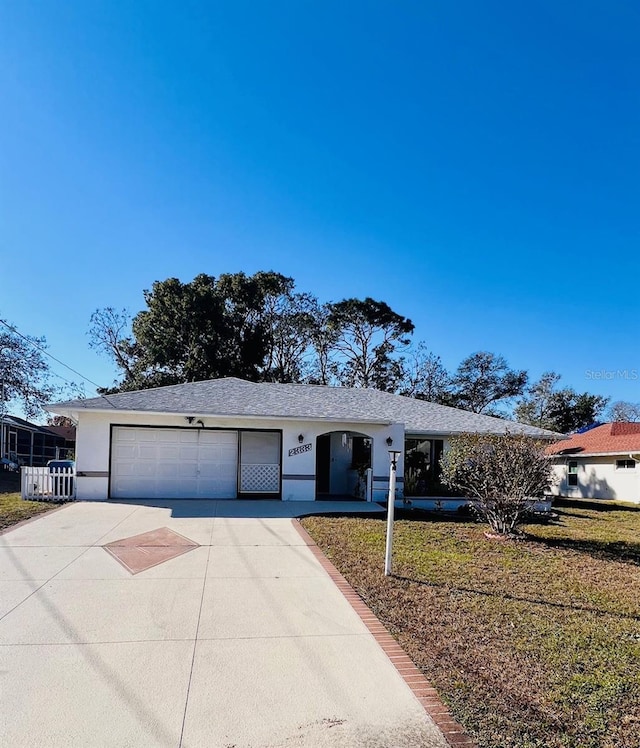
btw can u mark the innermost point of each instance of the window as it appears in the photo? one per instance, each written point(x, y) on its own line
point(422, 467)
point(572, 473)
point(625, 464)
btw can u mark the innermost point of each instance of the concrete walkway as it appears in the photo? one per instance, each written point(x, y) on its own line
point(241, 642)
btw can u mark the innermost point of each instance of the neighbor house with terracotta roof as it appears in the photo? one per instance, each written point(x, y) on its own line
point(601, 463)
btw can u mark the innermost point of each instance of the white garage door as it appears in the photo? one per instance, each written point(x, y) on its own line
point(148, 463)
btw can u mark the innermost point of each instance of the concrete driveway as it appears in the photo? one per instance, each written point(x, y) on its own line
point(242, 641)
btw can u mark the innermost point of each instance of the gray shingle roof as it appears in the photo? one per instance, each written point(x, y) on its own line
point(237, 397)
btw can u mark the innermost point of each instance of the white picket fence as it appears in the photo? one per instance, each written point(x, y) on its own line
point(48, 484)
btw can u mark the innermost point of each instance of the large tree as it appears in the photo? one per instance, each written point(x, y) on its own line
point(425, 377)
point(253, 327)
point(483, 382)
point(562, 410)
point(323, 338)
point(537, 404)
point(25, 377)
point(622, 410)
point(110, 334)
point(207, 328)
point(573, 410)
point(368, 335)
point(290, 322)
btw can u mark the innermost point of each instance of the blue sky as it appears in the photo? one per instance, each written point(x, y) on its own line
point(475, 165)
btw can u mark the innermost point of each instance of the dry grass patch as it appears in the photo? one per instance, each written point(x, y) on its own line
point(532, 644)
point(13, 509)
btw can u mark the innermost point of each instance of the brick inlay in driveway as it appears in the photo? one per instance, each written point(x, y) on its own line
point(141, 552)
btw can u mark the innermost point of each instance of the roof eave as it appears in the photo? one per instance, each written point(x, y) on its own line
point(221, 416)
point(73, 409)
point(458, 432)
point(615, 453)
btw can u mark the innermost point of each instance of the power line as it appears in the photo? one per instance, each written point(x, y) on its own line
point(64, 379)
point(57, 360)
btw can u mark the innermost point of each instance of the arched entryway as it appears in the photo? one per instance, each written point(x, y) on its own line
point(342, 459)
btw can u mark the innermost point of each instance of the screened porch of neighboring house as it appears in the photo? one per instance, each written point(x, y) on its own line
point(25, 443)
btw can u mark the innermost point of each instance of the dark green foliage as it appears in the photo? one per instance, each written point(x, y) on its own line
point(257, 327)
point(482, 381)
point(535, 407)
point(290, 323)
point(204, 329)
point(367, 336)
point(24, 373)
point(252, 327)
point(200, 330)
point(572, 410)
point(562, 410)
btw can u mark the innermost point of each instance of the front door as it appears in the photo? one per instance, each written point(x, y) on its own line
point(323, 464)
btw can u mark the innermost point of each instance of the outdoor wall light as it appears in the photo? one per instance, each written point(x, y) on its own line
point(300, 438)
point(389, 441)
point(189, 419)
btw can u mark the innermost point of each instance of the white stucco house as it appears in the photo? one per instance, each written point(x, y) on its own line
point(602, 463)
point(229, 438)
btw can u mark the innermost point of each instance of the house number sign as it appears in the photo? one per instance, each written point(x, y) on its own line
point(300, 450)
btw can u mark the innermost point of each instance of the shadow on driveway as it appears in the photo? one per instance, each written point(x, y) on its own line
point(256, 509)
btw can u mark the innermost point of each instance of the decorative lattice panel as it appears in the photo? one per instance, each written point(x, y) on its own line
point(260, 478)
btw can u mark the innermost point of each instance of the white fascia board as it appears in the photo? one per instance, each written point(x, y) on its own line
point(234, 417)
point(409, 433)
point(580, 455)
point(413, 433)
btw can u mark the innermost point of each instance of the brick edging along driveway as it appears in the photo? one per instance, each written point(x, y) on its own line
point(422, 689)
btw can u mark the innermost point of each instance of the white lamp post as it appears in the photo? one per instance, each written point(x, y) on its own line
point(2, 403)
point(2, 419)
point(391, 504)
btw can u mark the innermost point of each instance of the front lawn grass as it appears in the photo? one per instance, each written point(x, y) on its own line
point(13, 509)
point(532, 644)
